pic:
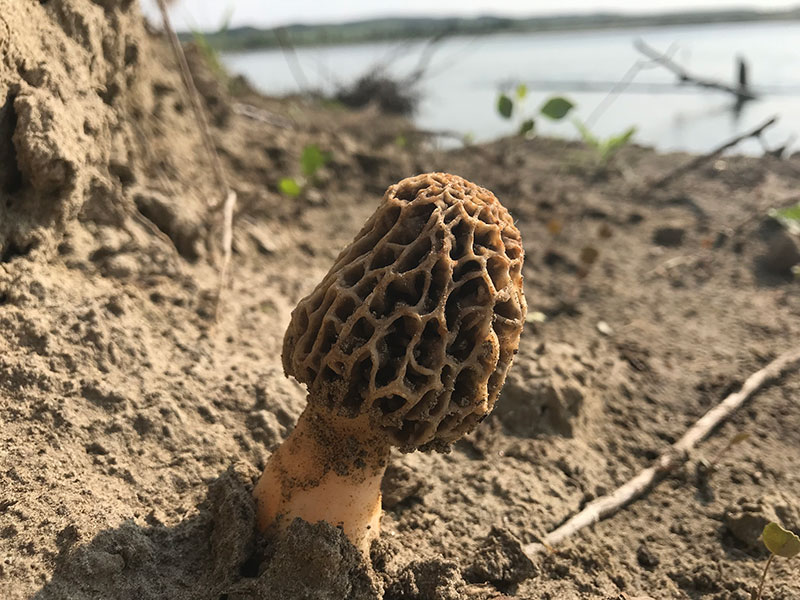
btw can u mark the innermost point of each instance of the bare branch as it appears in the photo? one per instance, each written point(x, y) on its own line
point(426, 56)
point(701, 159)
point(623, 84)
point(676, 455)
point(741, 93)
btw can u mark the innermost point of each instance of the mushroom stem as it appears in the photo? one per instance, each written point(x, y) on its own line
point(328, 469)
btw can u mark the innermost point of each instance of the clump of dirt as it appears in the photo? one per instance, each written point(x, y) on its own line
point(133, 423)
point(315, 562)
point(553, 392)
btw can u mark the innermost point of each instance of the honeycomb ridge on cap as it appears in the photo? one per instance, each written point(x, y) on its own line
point(418, 320)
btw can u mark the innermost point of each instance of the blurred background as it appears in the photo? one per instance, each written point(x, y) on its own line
point(620, 63)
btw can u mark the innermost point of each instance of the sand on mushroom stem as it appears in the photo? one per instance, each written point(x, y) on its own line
point(406, 343)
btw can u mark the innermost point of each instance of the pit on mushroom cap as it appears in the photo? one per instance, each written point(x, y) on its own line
point(406, 342)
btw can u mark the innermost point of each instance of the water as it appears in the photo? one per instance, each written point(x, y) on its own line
point(463, 79)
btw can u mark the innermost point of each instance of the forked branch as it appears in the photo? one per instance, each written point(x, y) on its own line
point(742, 93)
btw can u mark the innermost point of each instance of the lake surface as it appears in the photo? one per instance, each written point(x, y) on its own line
point(460, 88)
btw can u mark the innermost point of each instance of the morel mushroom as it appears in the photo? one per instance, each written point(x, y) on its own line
point(406, 342)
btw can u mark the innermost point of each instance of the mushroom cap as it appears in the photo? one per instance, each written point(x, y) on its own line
point(418, 320)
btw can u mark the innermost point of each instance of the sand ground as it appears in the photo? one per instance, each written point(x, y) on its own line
point(133, 422)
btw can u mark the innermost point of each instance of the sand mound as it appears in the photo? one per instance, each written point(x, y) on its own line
point(85, 107)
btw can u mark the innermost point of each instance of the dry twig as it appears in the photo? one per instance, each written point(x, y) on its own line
point(741, 93)
point(259, 114)
point(621, 85)
point(205, 133)
point(290, 54)
point(227, 243)
point(701, 159)
point(194, 96)
point(677, 454)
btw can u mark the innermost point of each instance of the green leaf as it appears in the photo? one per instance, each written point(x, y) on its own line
point(780, 541)
point(612, 145)
point(788, 217)
point(505, 106)
point(792, 212)
point(587, 136)
point(556, 108)
point(522, 91)
point(526, 127)
point(615, 143)
point(289, 187)
point(312, 159)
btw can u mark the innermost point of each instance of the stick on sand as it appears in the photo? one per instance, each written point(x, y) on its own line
point(700, 160)
point(677, 454)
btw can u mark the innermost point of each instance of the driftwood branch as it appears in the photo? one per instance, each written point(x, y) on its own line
point(742, 93)
point(676, 455)
point(701, 159)
point(205, 133)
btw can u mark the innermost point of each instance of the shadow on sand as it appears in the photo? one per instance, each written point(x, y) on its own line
point(214, 554)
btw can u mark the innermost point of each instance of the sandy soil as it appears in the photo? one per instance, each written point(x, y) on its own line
point(133, 424)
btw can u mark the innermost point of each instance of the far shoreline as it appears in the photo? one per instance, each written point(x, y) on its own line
point(243, 39)
point(322, 45)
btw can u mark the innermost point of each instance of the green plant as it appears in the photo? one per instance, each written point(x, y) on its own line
point(789, 217)
point(209, 53)
point(779, 542)
point(557, 108)
point(290, 187)
point(604, 149)
point(312, 159)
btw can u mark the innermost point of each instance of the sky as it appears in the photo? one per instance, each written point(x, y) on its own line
point(210, 14)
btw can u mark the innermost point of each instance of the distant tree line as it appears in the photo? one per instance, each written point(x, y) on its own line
point(249, 38)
